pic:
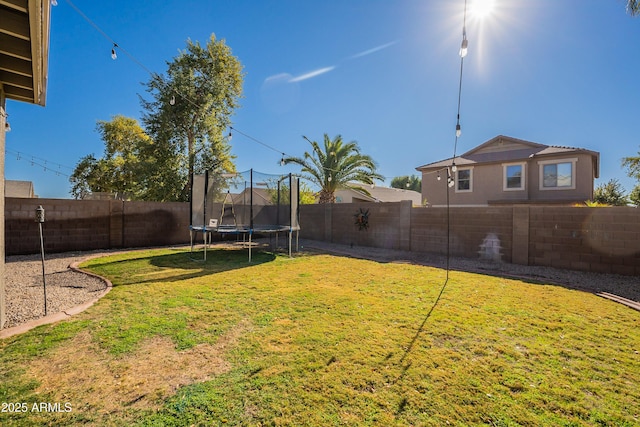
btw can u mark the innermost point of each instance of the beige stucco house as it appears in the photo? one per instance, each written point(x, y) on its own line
point(506, 170)
point(24, 59)
point(376, 194)
point(19, 189)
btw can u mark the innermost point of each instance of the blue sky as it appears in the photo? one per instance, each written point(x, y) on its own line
point(383, 73)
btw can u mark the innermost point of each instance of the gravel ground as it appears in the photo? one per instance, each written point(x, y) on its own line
point(67, 288)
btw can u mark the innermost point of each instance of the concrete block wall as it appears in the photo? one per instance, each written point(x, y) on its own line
point(475, 232)
point(82, 225)
point(389, 224)
point(155, 224)
point(72, 225)
point(603, 240)
point(588, 239)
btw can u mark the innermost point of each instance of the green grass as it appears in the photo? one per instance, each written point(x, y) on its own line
point(323, 340)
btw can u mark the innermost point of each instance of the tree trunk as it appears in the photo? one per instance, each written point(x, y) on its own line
point(326, 197)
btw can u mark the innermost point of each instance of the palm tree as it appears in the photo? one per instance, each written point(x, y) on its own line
point(633, 7)
point(335, 165)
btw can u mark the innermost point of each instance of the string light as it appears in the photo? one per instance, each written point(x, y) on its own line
point(463, 52)
point(46, 165)
point(154, 75)
point(464, 47)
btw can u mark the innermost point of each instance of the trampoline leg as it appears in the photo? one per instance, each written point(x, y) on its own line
point(204, 232)
point(297, 241)
point(249, 246)
point(290, 234)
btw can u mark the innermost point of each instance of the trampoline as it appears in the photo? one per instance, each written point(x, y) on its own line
point(244, 205)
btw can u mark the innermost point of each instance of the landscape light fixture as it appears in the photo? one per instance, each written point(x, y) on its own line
point(40, 221)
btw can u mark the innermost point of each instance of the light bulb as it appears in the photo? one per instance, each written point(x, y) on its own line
point(438, 177)
point(172, 101)
point(282, 160)
point(464, 47)
point(450, 184)
point(329, 178)
point(54, 2)
point(454, 168)
point(230, 136)
point(114, 56)
point(7, 127)
point(458, 130)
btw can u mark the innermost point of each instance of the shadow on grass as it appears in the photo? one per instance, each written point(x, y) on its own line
point(178, 266)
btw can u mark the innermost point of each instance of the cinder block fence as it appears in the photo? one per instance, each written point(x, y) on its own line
point(72, 225)
point(588, 239)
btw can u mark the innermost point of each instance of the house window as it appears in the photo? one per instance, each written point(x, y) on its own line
point(558, 174)
point(464, 180)
point(513, 177)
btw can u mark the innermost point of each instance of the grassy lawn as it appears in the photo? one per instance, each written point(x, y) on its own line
point(321, 340)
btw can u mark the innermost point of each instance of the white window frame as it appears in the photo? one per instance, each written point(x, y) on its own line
point(543, 163)
point(523, 175)
point(460, 169)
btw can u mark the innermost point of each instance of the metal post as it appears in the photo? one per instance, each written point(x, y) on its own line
point(40, 220)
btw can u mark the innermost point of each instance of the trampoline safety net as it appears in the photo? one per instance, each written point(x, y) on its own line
point(244, 203)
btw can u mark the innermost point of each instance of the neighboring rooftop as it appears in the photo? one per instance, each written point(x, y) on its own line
point(378, 194)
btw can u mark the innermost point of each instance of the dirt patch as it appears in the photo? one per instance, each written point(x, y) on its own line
point(89, 378)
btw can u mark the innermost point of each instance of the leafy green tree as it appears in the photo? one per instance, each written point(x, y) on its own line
point(632, 164)
point(407, 183)
point(190, 110)
point(612, 193)
point(334, 165)
point(128, 156)
point(633, 7)
point(307, 196)
point(86, 177)
point(634, 196)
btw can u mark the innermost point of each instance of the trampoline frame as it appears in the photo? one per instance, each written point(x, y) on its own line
point(251, 228)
